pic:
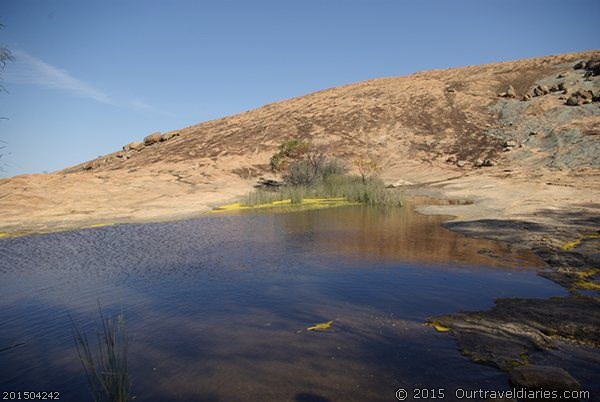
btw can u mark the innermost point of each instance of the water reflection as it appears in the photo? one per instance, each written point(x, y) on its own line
point(217, 307)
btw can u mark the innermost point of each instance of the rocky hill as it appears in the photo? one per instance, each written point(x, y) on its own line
point(518, 120)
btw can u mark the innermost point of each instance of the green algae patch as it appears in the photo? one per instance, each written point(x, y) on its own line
point(287, 205)
point(570, 245)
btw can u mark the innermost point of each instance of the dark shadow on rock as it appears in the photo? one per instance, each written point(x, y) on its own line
point(505, 336)
point(310, 397)
point(511, 231)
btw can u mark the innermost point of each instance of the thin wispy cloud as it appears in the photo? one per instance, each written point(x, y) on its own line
point(28, 69)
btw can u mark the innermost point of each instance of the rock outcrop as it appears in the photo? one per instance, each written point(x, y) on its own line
point(152, 138)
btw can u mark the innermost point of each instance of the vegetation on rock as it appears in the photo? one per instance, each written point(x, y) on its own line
point(308, 173)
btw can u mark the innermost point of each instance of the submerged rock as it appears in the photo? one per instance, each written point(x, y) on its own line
point(543, 377)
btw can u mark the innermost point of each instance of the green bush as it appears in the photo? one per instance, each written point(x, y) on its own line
point(308, 173)
point(372, 192)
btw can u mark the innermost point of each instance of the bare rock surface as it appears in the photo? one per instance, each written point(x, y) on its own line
point(410, 124)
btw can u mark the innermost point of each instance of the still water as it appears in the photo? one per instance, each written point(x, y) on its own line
point(216, 308)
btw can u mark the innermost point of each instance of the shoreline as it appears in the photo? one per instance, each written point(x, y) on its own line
point(516, 332)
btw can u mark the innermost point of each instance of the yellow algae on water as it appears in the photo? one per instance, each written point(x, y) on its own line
point(307, 203)
point(3, 235)
point(439, 327)
point(320, 327)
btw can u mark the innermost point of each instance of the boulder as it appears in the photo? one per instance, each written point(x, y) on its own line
point(399, 183)
point(479, 163)
point(133, 146)
point(170, 135)
point(461, 163)
point(562, 75)
point(540, 90)
point(488, 162)
point(581, 97)
point(593, 66)
point(579, 65)
point(510, 143)
point(451, 159)
point(266, 182)
point(510, 92)
point(152, 138)
point(526, 97)
point(543, 377)
point(573, 101)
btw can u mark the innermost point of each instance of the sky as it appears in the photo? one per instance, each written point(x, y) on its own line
point(91, 76)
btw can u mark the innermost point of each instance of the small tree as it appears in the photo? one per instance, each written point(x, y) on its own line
point(367, 167)
point(290, 151)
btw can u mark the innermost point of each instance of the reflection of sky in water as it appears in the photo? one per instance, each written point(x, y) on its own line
point(216, 307)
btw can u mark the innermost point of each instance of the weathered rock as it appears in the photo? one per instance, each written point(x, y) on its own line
point(562, 75)
point(573, 101)
point(170, 135)
point(488, 163)
point(526, 97)
point(581, 97)
point(451, 90)
point(579, 65)
point(543, 377)
point(510, 143)
point(152, 138)
point(479, 163)
point(264, 182)
point(510, 92)
point(133, 146)
point(461, 163)
point(593, 66)
point(451, 159)
point(540, 90)
point(399, 183)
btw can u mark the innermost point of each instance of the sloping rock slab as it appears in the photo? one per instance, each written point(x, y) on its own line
point(504, 336)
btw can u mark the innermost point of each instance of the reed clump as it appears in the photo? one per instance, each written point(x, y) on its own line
point(105, 365)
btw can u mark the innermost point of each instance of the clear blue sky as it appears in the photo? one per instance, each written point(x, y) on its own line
point(94, 75)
